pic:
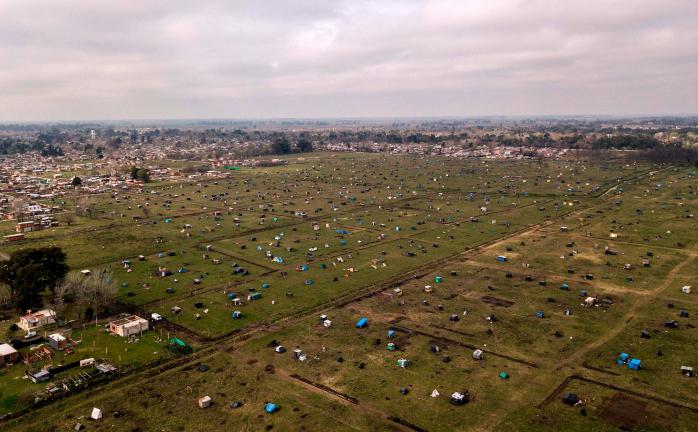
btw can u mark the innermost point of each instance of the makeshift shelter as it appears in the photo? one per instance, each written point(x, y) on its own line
point(634, 364)
point(622, 358)
point(96, 414)
point(270, 407)
point(570, 399)
point(205, 402)
point(362, 322)
point(460, 398)
point(478, 354)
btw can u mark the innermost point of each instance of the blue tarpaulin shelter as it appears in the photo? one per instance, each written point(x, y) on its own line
point(361, 323)
point(634, 364)
point(271, 407)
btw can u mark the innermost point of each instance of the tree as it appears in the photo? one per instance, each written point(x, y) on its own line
point(5, 294)
point(92, 293)
point(18, 206)
point(142, 174)
point(77, 181)
point(304, 145)
point(280, 146)
point(67, 218)
point(84, 206)
point(30, 272)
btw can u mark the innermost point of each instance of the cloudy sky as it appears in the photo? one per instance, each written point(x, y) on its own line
point(156, 59)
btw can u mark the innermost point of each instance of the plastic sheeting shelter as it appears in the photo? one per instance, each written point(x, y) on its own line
point(634, 364)
point(270, 407)
point(361, 323)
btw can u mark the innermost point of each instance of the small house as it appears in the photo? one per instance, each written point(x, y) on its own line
point(8, 355)
point(686, 370)
point(686, 289)
point(33, 321)
point(128, 326)
point(57, 341)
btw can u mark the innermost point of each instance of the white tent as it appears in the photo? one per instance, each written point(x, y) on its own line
point(96, 414)
point(435, 393)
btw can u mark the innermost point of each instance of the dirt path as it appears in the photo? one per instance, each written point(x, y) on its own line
point(616, 330)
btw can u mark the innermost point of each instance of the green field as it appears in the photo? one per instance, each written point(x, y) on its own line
point(411, 243)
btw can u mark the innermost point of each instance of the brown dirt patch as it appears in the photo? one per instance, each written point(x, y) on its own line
point(494, 301)
point(623, 411)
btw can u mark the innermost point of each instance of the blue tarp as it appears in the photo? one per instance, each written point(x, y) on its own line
point(361, 323)
point(271, 407)
point(634, 364)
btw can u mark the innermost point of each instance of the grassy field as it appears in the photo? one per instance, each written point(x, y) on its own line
point(411, 244)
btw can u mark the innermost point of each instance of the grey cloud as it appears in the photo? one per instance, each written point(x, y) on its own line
point(84, 59)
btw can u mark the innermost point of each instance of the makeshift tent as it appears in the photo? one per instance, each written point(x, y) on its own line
point(271, 407)
point(362, 322)
point(634, 364)
point(460, 398)
point(205, 402)
point(96, 414)
point(570, 399)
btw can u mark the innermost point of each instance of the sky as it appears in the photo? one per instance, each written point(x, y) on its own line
point(184, 59)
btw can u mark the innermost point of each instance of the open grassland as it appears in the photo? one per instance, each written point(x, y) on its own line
point(411, 244)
